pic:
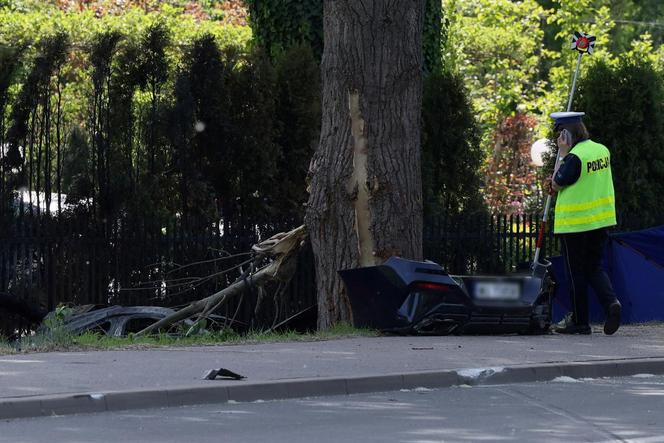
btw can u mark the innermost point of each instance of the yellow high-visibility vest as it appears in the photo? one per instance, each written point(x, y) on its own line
point(589, 203)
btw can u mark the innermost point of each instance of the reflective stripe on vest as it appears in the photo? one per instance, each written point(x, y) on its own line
point(590, 202)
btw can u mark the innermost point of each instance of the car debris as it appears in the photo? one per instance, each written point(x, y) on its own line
point(222, 372)
point(119, 321)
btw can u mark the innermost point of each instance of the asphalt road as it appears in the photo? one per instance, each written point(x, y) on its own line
point(565, 410)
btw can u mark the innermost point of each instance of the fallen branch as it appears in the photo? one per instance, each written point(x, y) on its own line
point(281, 248)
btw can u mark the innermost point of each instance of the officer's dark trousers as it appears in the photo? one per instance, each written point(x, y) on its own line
point(583, 257)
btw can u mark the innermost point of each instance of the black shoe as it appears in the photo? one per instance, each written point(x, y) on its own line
point(573, 329)
point(612, 322)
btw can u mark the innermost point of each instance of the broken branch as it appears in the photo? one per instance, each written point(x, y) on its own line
point(280, 248)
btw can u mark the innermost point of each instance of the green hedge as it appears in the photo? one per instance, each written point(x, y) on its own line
point(155, 115)
point(17, 26)
point(624, 103)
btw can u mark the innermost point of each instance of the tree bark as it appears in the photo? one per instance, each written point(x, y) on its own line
point(365, 202)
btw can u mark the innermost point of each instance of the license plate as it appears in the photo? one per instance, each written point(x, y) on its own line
point(497, 291)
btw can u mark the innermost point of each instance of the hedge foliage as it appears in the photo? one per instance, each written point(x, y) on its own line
point(280, 24)
point(28, 26)
point(142, 116)
point(451, 155)
point(624, 103)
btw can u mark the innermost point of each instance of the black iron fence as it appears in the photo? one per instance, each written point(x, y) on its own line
point(485, 243)
point(48, 261)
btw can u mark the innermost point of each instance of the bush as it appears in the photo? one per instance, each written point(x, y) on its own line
point(298, 115)
point(511, 179)
point(451, 155)
point(280, 24)
point(624, 107)
point(451, 177)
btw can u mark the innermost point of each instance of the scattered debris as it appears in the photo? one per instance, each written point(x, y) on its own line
point(418, 389)
point(281, 252)
point(222, 372)
point(565, 379)
point(479, 373)
point(119, 321)
point(115, 320)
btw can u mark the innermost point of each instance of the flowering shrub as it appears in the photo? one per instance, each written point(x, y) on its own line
point(511, 179)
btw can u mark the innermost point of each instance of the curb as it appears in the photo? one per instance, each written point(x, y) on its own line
point(90, 402)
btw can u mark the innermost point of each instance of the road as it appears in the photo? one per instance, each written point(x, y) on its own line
point(565, 410)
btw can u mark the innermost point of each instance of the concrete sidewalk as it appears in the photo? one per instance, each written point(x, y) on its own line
point(77, 382)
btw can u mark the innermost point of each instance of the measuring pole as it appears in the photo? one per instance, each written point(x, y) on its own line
point(584, 44)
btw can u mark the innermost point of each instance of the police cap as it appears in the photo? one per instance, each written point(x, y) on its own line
point(562, 118)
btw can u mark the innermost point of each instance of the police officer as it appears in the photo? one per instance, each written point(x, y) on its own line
point(585, 208)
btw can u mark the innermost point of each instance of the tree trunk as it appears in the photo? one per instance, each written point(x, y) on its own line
point(366, 192)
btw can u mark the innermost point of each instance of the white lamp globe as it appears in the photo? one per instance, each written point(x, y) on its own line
point(538, 149)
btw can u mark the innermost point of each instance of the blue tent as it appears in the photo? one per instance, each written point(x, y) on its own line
point(635, 264)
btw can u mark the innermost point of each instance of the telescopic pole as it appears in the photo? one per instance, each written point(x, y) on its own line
point(576, 75)
point(545, 218)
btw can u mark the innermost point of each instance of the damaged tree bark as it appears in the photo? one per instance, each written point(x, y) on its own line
point(366, 193)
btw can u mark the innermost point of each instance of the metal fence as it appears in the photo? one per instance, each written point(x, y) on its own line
point(77, 260)
point(485, 243)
